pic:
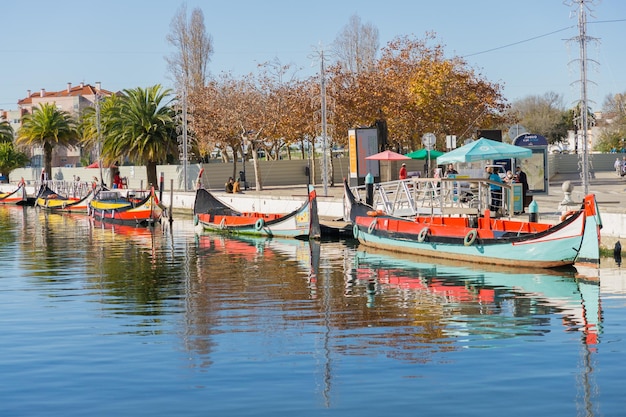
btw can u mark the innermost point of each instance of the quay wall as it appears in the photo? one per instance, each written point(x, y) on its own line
point(272, 173)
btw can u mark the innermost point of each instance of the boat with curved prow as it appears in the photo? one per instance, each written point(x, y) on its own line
point(50, 200)
point(16, 197)
point(136, 208)
point(481, 238)
point(213, 214)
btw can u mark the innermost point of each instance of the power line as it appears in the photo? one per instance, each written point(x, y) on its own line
point(538, 37)
point(519, 42)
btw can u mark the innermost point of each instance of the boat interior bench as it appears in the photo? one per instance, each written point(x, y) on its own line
point(460, 210)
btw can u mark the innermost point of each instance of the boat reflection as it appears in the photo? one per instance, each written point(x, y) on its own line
point(509, 302)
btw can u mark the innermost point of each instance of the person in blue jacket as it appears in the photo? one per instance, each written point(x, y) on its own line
point(496, 191)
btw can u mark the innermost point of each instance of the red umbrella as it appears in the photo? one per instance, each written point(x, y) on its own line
point(97, 165)
point(387, 156)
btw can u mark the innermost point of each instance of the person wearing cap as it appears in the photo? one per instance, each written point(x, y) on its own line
point(402, 174)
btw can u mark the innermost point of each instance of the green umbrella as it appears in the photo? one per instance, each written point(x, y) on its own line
point(423, 154)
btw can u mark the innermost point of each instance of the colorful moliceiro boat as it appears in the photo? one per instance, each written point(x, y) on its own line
point(215, 215)
point(482, 239)
point(17, 196)
point(136, 208)
point(52, 201)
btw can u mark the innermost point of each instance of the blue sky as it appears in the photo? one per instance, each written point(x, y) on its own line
point(521, 44)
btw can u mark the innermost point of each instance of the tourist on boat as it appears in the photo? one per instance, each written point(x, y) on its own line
point(509, 178)
point(230, 185)
point(496, 191)
point(402, 174)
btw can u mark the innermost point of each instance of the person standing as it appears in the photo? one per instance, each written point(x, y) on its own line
point(450, 170)
point(496, 191)
point(522, 179)
point(402, 173)
point(618, 167)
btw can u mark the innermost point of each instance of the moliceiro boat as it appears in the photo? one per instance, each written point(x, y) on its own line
point(50, 200)
point(17, 196)
point(213, 214)
point(136, 208)
point(481, 238)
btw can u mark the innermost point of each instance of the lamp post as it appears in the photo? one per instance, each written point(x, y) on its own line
point(243, 163)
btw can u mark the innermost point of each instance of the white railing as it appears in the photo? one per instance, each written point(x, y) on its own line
point(435, 196)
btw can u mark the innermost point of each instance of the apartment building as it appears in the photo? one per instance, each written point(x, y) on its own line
point(73, 99)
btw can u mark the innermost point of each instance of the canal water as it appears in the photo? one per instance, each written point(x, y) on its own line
point(103, 321)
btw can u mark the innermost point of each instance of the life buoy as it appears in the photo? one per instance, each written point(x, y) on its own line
point(355, 231)
point(422, 234)
point(259, 225)
point(568, 214)
point(470, 237)
point(371, 227)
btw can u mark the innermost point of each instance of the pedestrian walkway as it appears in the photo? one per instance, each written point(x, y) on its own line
point(610, 191)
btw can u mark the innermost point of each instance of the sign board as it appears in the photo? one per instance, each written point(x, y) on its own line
point(361, 144)
point(451, 141)
point(529, 139)
point(535, 167)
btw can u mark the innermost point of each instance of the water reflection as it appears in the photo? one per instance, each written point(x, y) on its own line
point(488, 303)
point(373, 302)
point(248, 306)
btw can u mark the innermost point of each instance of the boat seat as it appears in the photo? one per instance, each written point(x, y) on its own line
point(460, 210)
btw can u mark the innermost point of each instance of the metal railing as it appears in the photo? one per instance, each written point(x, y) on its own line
point(436, 196)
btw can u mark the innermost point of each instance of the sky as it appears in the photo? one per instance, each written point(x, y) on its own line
point(528, 46)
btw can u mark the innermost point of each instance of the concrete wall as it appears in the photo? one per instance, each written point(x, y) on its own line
point(274, 173)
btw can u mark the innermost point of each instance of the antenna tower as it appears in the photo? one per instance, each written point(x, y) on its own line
point(583, 106)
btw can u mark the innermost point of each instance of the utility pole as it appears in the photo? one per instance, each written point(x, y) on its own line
point(324, 125)
point(99, 134)
point(319, 54)
point(185, 156)
point(583, 120)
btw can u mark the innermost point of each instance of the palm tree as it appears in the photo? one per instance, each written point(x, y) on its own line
point(6, 132)
point(142, 129)
point(47, 127)
point(10, 158)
